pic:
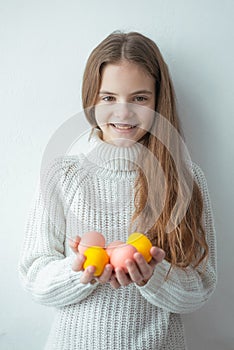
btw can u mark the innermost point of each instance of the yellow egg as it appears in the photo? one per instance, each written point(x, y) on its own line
point(121, 254)
point(141, 243)
point(90, 239)
point(97, 257)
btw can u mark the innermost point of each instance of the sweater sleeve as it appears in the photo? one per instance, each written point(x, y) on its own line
point(44, 270)
point(186, 290)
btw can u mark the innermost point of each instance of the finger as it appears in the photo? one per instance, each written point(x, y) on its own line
point(114, 283)
point(122, 277)
point(77, 264)
point(157, 254)
point(133, 270)
point(106, 275)
point(87, 275)
point(145, 270)
point(73, 243)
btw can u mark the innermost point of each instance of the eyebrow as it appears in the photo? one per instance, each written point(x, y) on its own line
point(148, 92)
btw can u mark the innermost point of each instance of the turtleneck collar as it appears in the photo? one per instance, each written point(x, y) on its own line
point(112, 157)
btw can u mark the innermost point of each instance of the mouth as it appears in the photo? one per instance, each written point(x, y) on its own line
point(121, 126)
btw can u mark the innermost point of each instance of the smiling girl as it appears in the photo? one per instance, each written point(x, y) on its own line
point(129, 101)
point(123, 83)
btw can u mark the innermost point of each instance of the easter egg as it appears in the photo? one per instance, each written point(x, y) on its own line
point(112, 246)
point(97, 257)
point(90, 239)
point(121, 254)
point(141, 243)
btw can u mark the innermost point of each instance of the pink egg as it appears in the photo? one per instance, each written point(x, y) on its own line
point(112, 246)
point(90, 239)
point(121, 254)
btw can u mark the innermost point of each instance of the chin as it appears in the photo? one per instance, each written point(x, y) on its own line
point(121, 142)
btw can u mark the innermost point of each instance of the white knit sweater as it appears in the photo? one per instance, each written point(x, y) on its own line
point(80, 194)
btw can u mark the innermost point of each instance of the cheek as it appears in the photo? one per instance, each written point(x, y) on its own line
point(102, 115)
point(147, 121)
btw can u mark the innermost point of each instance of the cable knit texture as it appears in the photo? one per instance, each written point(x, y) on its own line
point(81, 193)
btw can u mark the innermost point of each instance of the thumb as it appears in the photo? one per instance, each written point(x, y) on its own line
point(73, 243)
point(158, 254)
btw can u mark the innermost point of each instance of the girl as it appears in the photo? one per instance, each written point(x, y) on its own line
point(129, 101)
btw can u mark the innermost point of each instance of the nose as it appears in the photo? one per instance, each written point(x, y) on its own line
point(122, 111)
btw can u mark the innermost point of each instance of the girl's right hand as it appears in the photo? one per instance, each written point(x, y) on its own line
point(88, 274)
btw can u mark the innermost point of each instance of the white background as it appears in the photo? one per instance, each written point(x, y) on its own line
point(44, 46)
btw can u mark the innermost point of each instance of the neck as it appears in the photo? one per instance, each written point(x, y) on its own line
point(113, 157)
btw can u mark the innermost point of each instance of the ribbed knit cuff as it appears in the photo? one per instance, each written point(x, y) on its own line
point(157, 279)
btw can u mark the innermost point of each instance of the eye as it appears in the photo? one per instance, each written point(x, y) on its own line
point(108, 98)
point(140, 98)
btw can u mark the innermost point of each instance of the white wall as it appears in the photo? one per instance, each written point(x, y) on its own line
point(44, 45)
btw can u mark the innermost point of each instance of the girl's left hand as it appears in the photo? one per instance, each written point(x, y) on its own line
point(139, 271)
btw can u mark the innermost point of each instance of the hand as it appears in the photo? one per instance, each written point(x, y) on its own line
point(88, 274)
point(139, 271)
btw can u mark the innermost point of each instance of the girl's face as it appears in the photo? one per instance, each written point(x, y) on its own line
point(125, 92)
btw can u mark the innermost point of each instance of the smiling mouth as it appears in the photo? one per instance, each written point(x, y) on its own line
point(123, 126)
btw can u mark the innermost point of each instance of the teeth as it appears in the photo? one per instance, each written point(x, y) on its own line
point(124, 126)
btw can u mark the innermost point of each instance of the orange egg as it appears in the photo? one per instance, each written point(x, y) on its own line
point(97, 257)
point(141, 243)
point(90, 239)
point(121, 254)
point(112, 246)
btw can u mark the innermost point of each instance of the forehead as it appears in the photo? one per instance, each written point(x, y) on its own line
point(126, 74)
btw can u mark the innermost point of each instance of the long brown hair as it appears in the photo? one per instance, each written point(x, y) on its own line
point(186, 243)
